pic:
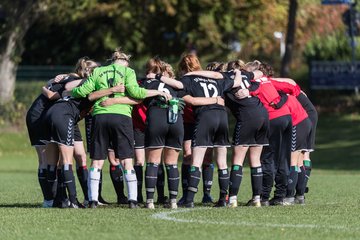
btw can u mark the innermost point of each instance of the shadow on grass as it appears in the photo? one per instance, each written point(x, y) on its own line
point(21, 205)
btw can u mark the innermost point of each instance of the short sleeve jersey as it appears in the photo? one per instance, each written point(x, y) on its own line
point(42, 103)
point(199, 86)
point(155, 84)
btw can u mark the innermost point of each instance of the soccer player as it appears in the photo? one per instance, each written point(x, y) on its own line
point(276, 156)
point(113, 124)
point(60, 125)
point(250, 133)
point(52, 92)
point(211, 129)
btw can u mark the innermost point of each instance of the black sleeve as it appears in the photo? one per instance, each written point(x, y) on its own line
point(186, 81)
point(249, 75)
point(228, 75)
point(283, 100)
point(254, 86)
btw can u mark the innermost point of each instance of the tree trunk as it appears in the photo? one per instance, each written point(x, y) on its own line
point(20, 15)
point(8, 69)
point(290, 39)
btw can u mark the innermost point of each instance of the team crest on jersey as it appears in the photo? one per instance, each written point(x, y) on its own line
point(207, 80)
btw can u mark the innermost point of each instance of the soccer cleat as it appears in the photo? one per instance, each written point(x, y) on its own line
point(93, 204)
point(122, 200)
point(276, 201)
point(48, 203)
point(289, 201)
point(253, 203)
point(188, 205)
point(150, 204)
point(264, 203)
point(207, 199)
point(73, 205)
point(182, 201)
point(173, 204)
point(64, 204)
point(220, 203)
point(86, 203)
point(163, 200)
point(133, 204)
point(233, 202)
point(299, 199)
point(80, 205)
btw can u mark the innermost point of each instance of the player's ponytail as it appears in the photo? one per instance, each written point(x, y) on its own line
point(120, 57)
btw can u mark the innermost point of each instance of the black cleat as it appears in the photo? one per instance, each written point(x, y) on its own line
point(64, 204)
point(188, 205)
point(122, 200)
point(93, 204)
point(182, 201)
point(163, 200)
point(73, 205)
point(133, 204)
point(265, 203)
point(276, 201)
point(207, 199)
point(80, 205)
point(221, 203)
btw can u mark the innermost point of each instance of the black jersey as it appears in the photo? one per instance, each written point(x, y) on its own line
point(199, 86)
point(42, 103)
point(156, 85)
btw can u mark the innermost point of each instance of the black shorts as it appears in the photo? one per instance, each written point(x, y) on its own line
point(188, 131)
point(211, 129)
point(116, 129)
point(77, 134)
point(139, 137)
point(312, 113)
point(301, 136)
point(159, 133)
point(252, 132)
point(60, 124)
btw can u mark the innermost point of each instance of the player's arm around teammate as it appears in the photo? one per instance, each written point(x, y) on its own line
point(113, 124)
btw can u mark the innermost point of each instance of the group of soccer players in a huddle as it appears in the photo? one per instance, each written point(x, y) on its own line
point(148, 122)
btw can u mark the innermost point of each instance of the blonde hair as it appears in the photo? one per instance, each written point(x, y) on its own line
point(119, 55)
point(169, 70)
point(212, 66)
point(84, 67)
point(189, 63)
point(252, 66)
point(236, 64)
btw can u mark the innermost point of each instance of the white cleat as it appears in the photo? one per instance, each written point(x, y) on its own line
point(150, 204)
point(173, 204)
point(233, 202)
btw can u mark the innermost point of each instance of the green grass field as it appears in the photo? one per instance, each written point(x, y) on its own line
point(332, 209)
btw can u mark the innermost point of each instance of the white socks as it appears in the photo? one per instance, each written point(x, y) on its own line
point(131, 184)
point(93, 184)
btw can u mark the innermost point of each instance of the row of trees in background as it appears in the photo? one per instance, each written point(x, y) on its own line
point(40, 32)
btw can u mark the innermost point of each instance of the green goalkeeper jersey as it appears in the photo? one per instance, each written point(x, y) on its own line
point(106, 77)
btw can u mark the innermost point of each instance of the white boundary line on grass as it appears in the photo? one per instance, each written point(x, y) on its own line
point(167, 216)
